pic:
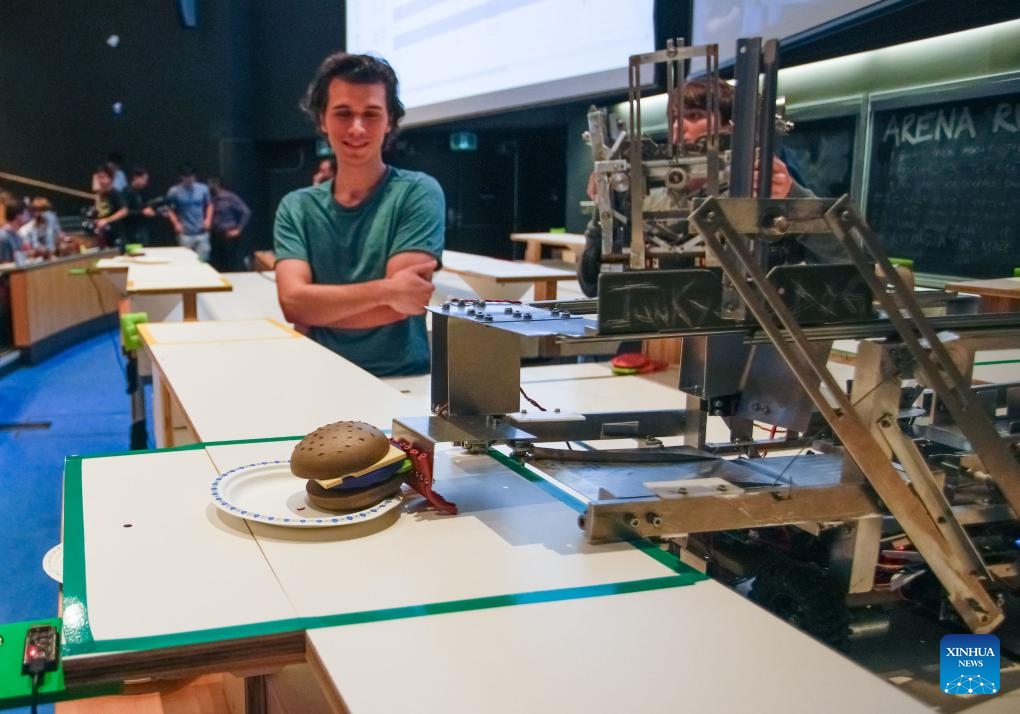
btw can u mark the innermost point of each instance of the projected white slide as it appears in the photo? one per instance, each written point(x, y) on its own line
point(457, 58)
point(724, 21)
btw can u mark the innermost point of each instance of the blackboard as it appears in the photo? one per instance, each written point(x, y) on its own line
point(820, 154)
point(944, 185)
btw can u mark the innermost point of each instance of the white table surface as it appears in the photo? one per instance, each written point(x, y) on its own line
point(185, 566)
point(162, 270)
point(246, 389)
point(698, 648)
point(161, 558)
point(254, 296)
point(177, 333)
point(497, 279)
point(501, 270)
point(509, 536)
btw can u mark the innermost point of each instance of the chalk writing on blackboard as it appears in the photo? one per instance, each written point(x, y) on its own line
point(943, 185)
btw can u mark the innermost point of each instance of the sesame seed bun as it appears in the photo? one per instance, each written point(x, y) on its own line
point(338, 449)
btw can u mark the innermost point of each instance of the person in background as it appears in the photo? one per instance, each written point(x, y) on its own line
point(17, 215)
point(108, 206)
point(692, 130)
point(137, 198)
point(326, 170)
point(42, 233)
point(190, 211)
point(355, 256)
point(114, 162)
point(230, 215)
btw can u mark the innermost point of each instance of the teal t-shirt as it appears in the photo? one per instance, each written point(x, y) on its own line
point(406, 212)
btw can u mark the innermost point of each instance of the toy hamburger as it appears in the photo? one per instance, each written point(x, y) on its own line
point(349, 466)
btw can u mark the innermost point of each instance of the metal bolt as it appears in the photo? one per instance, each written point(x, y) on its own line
point(654, 520)
point(446, 306)
point(481, 304)
point(565, 315)
point(488, 317)
point(527, 316)
point(681, 491)
point(722, 487)
point(508, 310)
point(631, 520)
point(710, 215)
point(885, 422)
point(555, 311)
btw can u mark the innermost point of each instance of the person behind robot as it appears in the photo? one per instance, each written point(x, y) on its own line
point(355, 254)
point(692, 130)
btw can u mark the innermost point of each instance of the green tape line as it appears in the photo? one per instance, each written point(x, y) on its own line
point(76, 632)
point(648, 548)
point(1016, 272)
point(16, 688)
point(78, 637)
point(905, 262)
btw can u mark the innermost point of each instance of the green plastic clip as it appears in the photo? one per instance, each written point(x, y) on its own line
point(129, 323)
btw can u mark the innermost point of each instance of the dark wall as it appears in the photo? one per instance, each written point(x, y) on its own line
point(512, 182)
point(185, 93)
point(219, 95)
point(224, 95)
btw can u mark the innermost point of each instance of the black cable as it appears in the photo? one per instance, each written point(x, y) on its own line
point(36, 682)
point(532, 401)
point(819, 432)
point(102, 311)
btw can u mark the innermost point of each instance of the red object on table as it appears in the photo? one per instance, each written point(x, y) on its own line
point(420, 476)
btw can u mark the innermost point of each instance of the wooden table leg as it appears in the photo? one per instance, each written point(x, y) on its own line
point(545, 290)
point(190, 307)
point(255, 699)
point(532, 251)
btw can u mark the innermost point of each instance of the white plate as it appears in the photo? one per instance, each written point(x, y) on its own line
point(53, 562)
point(267, 492)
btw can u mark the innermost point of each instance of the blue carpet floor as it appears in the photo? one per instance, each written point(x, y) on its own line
point(81, 394)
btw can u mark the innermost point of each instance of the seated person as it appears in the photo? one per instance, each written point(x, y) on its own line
point(355, 256)
point(42, 233)
point(17, 215)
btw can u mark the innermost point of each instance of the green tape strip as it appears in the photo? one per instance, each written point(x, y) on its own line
point(997, 361)
point(650, 549)
point(78, 638)
point(77, 634)
point(16, 688)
